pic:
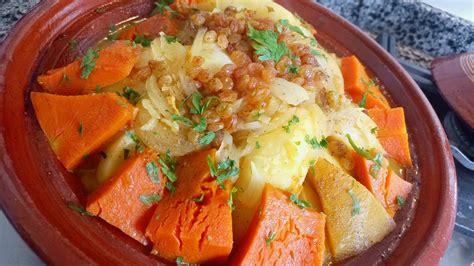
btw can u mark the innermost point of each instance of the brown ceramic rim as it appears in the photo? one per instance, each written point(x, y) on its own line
point(34, 187)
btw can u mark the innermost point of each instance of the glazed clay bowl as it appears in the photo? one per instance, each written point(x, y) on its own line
point(35, 187)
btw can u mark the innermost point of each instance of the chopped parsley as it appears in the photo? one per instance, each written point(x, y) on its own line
point(179, 260)
point(207, 138)
point(355, 203)
point(199, 199)
point(64, 79)
point(182, 119)
point(98, 89)
point(300, 203)
point(201, 126)
point(294, 120)
point(81, 129)
point(257, 145)
point(314, 143)
point(256, 115)
point(316, 52)
point(88, 62)
point(313, 42)
point(374, 169)
point(171, 39)
point(370, 83)
point(361, 151)
point(374, 130)
point(286, 23)
point(363, 101)
point(73, 206)
point(266, 44)
point(230, 202)
point(150, 199)
point(199, 107)
point(153, 172)
point(168, 167)
point(225, 170)
point(293, 69)
point(140, 39)
point(270, 238)
point(312, 164)
point(161, 6)
point(209, 237)
point(130, 94)
point(131, 135)
point(400, 201)
point(126, 153)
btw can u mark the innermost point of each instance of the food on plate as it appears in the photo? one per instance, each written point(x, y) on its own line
point(223, 132)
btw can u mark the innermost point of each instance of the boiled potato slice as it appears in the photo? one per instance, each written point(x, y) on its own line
point(355, 220)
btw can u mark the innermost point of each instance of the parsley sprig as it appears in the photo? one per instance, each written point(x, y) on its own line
point(266, 44)
point(149, 199)
point(140, 39)
point(294, 120)
point(314, 143)
point(162, 6)
point(300, 203)
point(355, 203)
point(286, 23)
point(377, 159)
point(88, 62)
point(75, 207)
point(168, 167)
point(130, 94)
point(225, 170)
point(400, 201)
point(270, 238)
point(232, 193)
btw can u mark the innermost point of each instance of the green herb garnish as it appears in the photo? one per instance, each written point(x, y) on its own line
point(98, 89)
point(257, 145)
point(81, 129)
point(171, 39)
point(300, 203)
point(225, 170)
point(64, 79)
point(199, 107)
point(355, 203)
point(73, 206)
point(364, 99)
point(270, 238)
point(179, 260)
point(199, 199)
point(162, 6)
point(201, 126)
point(312, 164)
point(140, 39)
point(294, 120)
point(374, 130)
point(266, 44)
point(182, 119)
point(149, 199)
point(168, 168)
point(400, 201)
point(207, 138)
point(293, 69)
point(314, 143)
point(153, 172)
point(88, 62)
point(230, 202)
point(131, 135)
point(130, 94)
point(361, 151)
point(286, 23)
point(370, 83)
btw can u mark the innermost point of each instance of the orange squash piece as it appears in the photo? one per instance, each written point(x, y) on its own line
point(282, 233)
point(396, 188)
point(392, 133)
point(357, 82)
point(113, 64)
point(126, 200)
point(195, 222)
point(374, 181)
point(77, 126)
point(150, 28)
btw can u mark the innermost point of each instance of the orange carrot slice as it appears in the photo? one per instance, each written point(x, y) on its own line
point(150, 28)
point(397, 191)
point(357, 83)
point(113, 64)
point(282, 233)
point(392, 133)
point(127, 199)
point(366, 172)
point(78, 125)
point(195, 222)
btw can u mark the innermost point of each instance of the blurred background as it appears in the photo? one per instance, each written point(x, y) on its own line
point(414, 32)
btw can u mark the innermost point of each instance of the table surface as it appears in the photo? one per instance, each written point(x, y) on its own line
point(14, 251)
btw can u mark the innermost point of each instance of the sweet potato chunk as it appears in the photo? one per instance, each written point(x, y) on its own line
point(282, 233)
point(126, 200)
point(78, 125)
point(113, 64)
point(355, 219)
point(357, 83)
point(392, 133)
point(195, 222)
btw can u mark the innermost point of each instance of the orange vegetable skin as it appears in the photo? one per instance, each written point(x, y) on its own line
point(150, 28)
point(118, 200)
point(392, 133)
point(298, 234)
point(114, 63)
point(356, 83)
point(395, 187)
point(199, 232)
point(77, 126)
point(376, 183)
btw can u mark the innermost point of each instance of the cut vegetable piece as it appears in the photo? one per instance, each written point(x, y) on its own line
point(357, 83)
point(199, 231)
point(150, 28)
point(392, 133)
point(397, 147)
point(282, 233)
point(77, 126)
point(113, 64)
point(355, 220)
point(371, 175)
point(126, 200)
point(397, 192)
